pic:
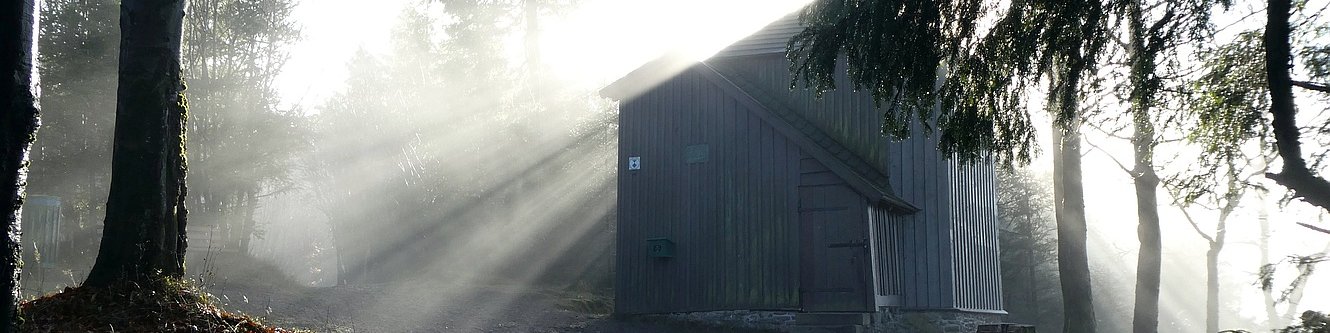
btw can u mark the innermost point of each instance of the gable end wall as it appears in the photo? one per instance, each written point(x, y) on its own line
point(733, 217)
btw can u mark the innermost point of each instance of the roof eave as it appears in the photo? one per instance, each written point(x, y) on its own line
point(852, 178)
point(647, 76)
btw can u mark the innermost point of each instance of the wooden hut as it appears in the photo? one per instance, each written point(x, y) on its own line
point(738, 193)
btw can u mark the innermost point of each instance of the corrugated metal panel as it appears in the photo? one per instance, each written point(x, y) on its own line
point(886, 250)
point(732, 217)
point(975, 236)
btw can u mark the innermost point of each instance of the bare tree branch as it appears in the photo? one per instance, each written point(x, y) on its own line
point(1111, 157)
point(1321, 87)
point(1106, 132)
point(1295, 175)
point(1312, 227)
point(1195, 226)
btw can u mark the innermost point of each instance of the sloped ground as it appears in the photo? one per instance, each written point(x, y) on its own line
point(159, 306)
point(435, 307)
point(232, 286)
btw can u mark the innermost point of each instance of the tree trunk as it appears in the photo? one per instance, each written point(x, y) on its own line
point(1234, 198)
point(144, 233)
point(1069, 196)
point(1145, 318)
point(531, 13)
point(1212, 285)
point(1278, 59)
point(18, 129)
point(1263, 218)
point(1069, 199)
point(1298, 287)
point(247, 225)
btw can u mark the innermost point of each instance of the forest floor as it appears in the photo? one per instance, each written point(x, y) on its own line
point(433, 307)
point(256, 288)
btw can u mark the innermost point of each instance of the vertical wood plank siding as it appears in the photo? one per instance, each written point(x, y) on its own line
point(733, 217)
point(917, 173)
point(974, 236)
point(948, 249)
point(850, 118)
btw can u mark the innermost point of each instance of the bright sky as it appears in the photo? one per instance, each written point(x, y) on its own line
point(593, 44)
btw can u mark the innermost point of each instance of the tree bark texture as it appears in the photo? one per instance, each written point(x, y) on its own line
point(1278, 59)
point(144, 233)
point(1072, 257)
point(1145, 318)
point(1069, 199)
point(18, 129)
point(1263, 218)
point(1233, 199)
point(1212, 284)
point(248, 227)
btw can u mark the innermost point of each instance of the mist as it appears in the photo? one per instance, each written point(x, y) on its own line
point(453, 166)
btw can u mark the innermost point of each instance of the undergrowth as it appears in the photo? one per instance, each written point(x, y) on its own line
point(161, 305)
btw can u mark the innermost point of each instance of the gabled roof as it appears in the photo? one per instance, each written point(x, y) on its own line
point(647, 77)
point(858, 173)
point(773, 39)
point(770, 39)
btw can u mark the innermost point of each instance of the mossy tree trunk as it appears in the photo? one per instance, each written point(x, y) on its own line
point(18, 128)
point(144, 232)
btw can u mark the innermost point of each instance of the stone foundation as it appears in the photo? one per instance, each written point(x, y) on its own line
point(884, 321)
point(942, 321)
point(751, 320)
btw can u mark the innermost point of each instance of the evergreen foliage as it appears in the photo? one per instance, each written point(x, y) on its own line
point(900, 50)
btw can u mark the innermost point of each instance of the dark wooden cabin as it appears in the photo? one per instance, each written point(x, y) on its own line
point(738, 193)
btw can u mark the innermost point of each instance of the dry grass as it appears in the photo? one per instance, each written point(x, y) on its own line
point(165, 305)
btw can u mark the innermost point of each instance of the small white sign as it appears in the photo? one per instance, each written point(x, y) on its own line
point(634, 163)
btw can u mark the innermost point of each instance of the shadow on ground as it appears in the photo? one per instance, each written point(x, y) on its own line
point(260, 290)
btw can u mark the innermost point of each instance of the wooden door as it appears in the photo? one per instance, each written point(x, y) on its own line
point(834, 250)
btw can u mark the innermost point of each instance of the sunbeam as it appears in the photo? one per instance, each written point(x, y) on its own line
point(689, 165)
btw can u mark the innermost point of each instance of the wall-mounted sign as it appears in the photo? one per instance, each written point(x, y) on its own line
point(660, 247)
point(697, 153)
point(634, 163)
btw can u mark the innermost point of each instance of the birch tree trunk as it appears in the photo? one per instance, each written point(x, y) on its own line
point(144, 233)
point(18, 129)
point(1267, 294)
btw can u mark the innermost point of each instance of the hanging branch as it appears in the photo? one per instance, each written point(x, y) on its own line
point(1312, 227)
point(1321, 87)
point(1295, 174)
